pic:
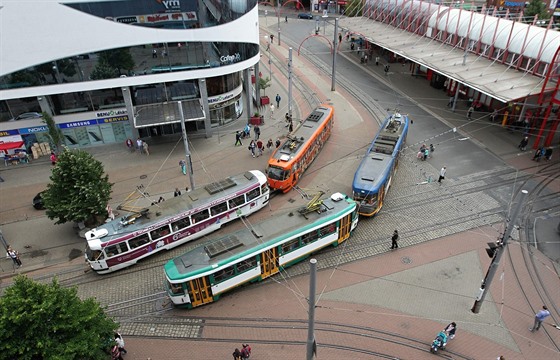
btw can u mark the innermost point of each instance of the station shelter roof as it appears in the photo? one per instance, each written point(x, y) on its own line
point(490, 77)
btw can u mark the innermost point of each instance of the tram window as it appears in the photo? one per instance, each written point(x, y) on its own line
point(199, 216)
point(138, 241)
point(176, 288)
point(116, 249)
point(290, 246)
point(162, 231)
point(218, 209)
point(94, 255)
point(235, 202)
point(245, 265)
point(264, 188)
point(309, 237)
point(223, 274)
point(253, 194)
point(180, 224)
point(327, 230)
point(276, 173)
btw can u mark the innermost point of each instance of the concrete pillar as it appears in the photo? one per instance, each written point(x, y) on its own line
point(45, 105)
point(248, 93)
point(130, 110)
point(205, 106)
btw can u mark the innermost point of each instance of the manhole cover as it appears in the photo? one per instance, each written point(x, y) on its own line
point(406, 260)
point(143, 176)
point(291, 200)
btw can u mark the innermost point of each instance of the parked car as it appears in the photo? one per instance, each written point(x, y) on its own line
point(307, 16)
point(38, 202)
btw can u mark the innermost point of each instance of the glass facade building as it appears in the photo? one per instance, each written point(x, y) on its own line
point(99, 66)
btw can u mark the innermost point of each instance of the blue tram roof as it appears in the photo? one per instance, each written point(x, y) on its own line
point(378, 160)
point(158, 213)
point(292, 145)
point(261, 235)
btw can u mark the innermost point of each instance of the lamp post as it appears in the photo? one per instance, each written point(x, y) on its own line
point(268, 43)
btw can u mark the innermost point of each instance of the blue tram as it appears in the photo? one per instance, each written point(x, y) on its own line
point(375, 173)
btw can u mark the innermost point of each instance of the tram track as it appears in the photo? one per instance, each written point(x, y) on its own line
point(206, 328)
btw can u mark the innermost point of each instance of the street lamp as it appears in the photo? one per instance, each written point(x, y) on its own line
point(268, 43)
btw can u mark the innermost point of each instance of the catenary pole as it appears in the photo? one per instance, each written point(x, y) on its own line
point(278, 14)
point(186, 143)
point(311, 347)
point(498, 254)
point(335, 42)
point(290, 82)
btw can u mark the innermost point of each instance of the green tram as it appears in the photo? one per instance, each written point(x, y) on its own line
point(203, 274)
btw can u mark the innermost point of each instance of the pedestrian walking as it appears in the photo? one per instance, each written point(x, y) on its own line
point(451, 101)
point(116, 353)
point(183, 166)
point(260, 147)
point(245, 351)
point(54, 159)
point(339, 37)
point(269, 144)
point(386, 69)
point(146, 148)
point(177, 192)
point(539, 318)
point(494, 115)
point(252, 147)
point(394, 239)
point(442, 174)
point(154, 54)
point(501, 358)
point(238, 138)
point(271, 38)
point(271, 110)
point(450, 330)
point(257, 131)
point(278, 98)
point(539, 154)
point(139, 144)
point(426, 154)
point(469, 112)
point(288, 118)
point(236, 354)
point(548, 153)
point(365, 58)
point(286, 18)
point(523, 144)
point(377, 61)
point(120, 342)
point(130, 144)
point(277, 143)
point(14, 255)
point(290, 126)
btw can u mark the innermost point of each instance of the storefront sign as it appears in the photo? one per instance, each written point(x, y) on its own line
point(8, 132)
point(77, 124)
point(10, 139)
point(224, 97)
point(112, 119)
point(230, 58)
point(109, 113)
point(33, 130)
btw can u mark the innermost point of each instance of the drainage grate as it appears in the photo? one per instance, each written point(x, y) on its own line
point(406, 260)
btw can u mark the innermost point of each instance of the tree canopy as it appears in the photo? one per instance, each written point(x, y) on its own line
point(264, 83)
point(54, 131)
point(47, 321)
point(79, 189)
point(537, 7)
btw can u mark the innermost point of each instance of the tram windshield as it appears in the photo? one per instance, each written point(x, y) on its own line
point(94, 255)
point(276, 173)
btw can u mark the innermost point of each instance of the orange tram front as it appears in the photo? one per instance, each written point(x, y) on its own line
point(288, 162)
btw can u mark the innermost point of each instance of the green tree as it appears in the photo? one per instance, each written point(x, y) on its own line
point(54, 131)
point(537, 7)
point(264, 83)
point(47, 321)
point(354, 8)
point(103, 70)
point(79, 189)
point(120, 59)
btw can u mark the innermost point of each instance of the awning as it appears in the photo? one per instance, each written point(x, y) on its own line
point(167, 113)
point(4, 146)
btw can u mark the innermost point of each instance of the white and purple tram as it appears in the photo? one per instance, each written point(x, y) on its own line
point(123, 241)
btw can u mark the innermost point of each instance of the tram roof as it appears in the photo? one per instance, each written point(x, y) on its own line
point(261, 235)
point(170, 209)
point(292, 145)
point(482, 74)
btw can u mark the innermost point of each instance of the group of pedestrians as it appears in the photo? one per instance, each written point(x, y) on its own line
point(242, 354)
point(14, 255)
point(425, 151)
point(118, 350)
point(141, 146)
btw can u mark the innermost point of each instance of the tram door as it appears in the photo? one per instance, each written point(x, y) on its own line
point(344, 230)
point(200, 291)
point(269, 263)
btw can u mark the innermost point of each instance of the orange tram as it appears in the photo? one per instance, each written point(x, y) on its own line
point(294, 155)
